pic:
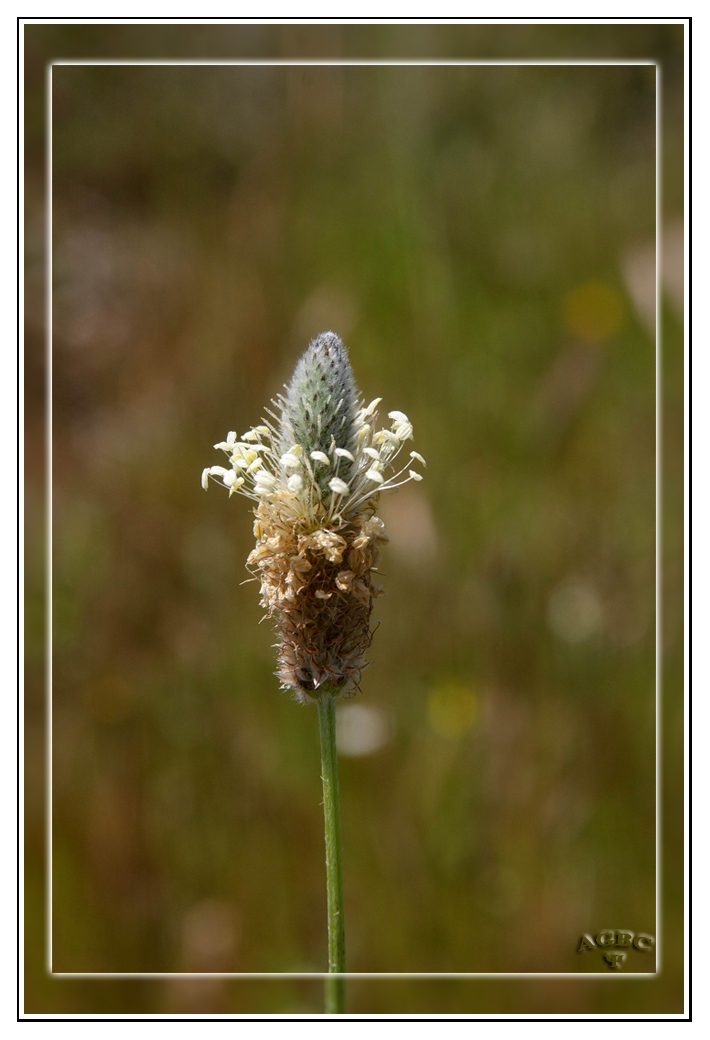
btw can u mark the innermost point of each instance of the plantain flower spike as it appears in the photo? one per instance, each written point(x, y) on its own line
point(315, 473)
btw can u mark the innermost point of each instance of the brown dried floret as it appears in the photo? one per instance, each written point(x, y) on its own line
point(321, 609)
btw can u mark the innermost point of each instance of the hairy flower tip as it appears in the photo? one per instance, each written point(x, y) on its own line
point(320, 408)
point(316, 474)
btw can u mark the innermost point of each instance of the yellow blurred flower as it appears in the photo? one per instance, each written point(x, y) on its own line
point(452, 708)
point(594, 311)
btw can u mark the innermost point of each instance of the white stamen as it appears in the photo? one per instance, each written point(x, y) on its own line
point(240, 446)
point(387, 436)
point(338, 486)
point(372, 453)
point(289, 461)
point(264, 482)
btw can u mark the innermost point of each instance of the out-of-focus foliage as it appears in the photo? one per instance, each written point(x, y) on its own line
point(482, 238)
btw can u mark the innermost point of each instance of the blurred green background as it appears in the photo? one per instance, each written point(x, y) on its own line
point(483, 240)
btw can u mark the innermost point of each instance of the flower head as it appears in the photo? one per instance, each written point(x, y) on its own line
point(315, 472)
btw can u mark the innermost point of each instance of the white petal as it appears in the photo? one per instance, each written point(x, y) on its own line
point(372, 452)
point(231, 437)
point(399, 417)
point(295, 483)
point(338, 486)
point(206, 478)
point(372, 474)
point(405, 431)
point(344, 454)
point(230, 478)
point(320, 456)
point(372, 405)
point(251, 435)
point(256, 464)
point(219, 471)
point(415, 476)
point(416, 455)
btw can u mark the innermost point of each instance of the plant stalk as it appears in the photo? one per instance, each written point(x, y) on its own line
point(335, 983)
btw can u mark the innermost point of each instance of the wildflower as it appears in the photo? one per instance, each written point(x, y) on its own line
point(315, 472)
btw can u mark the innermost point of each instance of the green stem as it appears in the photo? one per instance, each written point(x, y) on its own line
point(335, 986)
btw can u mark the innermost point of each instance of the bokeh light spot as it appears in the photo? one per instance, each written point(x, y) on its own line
point(362, 729)
point(594, 312)
point(411, 527)
point(575, 612)
point(452, 708)
point(209, 936)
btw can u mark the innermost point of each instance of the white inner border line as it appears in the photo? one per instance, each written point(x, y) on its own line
point(50, 483)
point(659, 514)
point(285, 62)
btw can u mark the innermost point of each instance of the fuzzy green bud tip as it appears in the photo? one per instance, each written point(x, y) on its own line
point(321, 403)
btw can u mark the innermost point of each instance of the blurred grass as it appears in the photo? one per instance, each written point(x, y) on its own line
point(478, 237)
